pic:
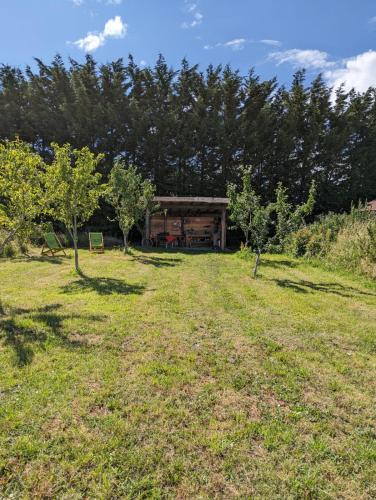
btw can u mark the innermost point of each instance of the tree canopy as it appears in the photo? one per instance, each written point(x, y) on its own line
point(21, 190)
point(189, 130)
point(130, 195)
point(73, 188)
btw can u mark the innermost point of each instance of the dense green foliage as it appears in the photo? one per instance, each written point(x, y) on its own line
point(189, 130)
point(253, 217)
point(131, 197)
point(72, 188)
point(288, 217)
point(347, 241)
point(250, 215)
point(21, 188)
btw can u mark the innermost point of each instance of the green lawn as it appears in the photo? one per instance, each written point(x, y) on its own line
point(170, 374)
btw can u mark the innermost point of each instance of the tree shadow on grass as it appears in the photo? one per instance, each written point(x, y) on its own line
point(305, 286)
point(156, 261)
point(42, 322)
point(43, 258)
point(102, 286)
point(277, 263)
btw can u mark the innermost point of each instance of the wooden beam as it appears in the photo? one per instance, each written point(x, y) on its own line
point(223, 229)
point(192, 200)
point(197, 207)
point(147, 226)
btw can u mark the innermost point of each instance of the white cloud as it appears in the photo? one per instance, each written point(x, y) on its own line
point(191, 7)
point(358, 72)
point(310, 59)
point(143, 62)
point(90, 42)
point(195, 16)
point(373, 19)
point(235, 44)
point(108, 2)
point(273, 43)
point(78, 2)
point(114, 28)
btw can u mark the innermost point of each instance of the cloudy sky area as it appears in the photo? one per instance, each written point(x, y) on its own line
point(276, 37)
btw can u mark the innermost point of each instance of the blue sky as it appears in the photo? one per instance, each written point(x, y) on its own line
point(335, 37)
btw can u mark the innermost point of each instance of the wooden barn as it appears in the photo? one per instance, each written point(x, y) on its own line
point(188, 222)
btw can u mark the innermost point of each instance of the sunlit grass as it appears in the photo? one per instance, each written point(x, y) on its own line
point(177, 374)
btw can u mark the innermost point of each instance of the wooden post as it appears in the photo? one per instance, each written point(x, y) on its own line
point(165, 221)
point(147, 227)
point(182, 239)
point(223, 229)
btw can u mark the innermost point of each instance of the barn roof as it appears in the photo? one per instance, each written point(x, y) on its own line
point(192, 200)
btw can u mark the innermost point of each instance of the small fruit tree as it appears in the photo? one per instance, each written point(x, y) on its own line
point(21, 190)
point(73, 188)
point(130, 195)
point(249, 215)
point(289, 217)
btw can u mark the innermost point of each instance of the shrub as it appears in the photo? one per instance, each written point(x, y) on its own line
point(355, 247)
point(297, 242)
point(245, 252)
point(9, 251)
point(344, 240)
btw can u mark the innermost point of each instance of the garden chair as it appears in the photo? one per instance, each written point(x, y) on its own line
point(170, 240)
point(52, 245)
point(96, 242)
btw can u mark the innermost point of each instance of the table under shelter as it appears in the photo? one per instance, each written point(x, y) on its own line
point(186, 221)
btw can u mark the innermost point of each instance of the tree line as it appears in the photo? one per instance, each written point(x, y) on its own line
point(68, 189)
point(190, 131)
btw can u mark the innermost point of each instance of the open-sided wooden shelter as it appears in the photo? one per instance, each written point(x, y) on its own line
point(188, 221)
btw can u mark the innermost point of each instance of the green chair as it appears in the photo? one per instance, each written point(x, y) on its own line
point(96, 242)
point(52, 245)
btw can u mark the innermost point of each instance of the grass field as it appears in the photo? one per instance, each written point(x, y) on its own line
point(170, 374)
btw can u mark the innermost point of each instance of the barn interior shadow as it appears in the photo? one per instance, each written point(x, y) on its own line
point(42, 322)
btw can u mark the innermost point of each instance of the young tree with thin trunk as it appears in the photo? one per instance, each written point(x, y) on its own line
point(249, 215)
point(130, 195)
point(73, 188)
point(288, 217)
point(21, 195)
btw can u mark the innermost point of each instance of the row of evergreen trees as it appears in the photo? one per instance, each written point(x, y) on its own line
point(191, 131)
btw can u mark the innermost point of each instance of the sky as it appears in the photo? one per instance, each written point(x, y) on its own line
point(275, 37)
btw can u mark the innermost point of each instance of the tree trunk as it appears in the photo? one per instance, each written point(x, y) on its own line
point(258, 254)
point(246, 234)
point(76, 265)
point(9, 238)
point(143, 235)
point(125, 236)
